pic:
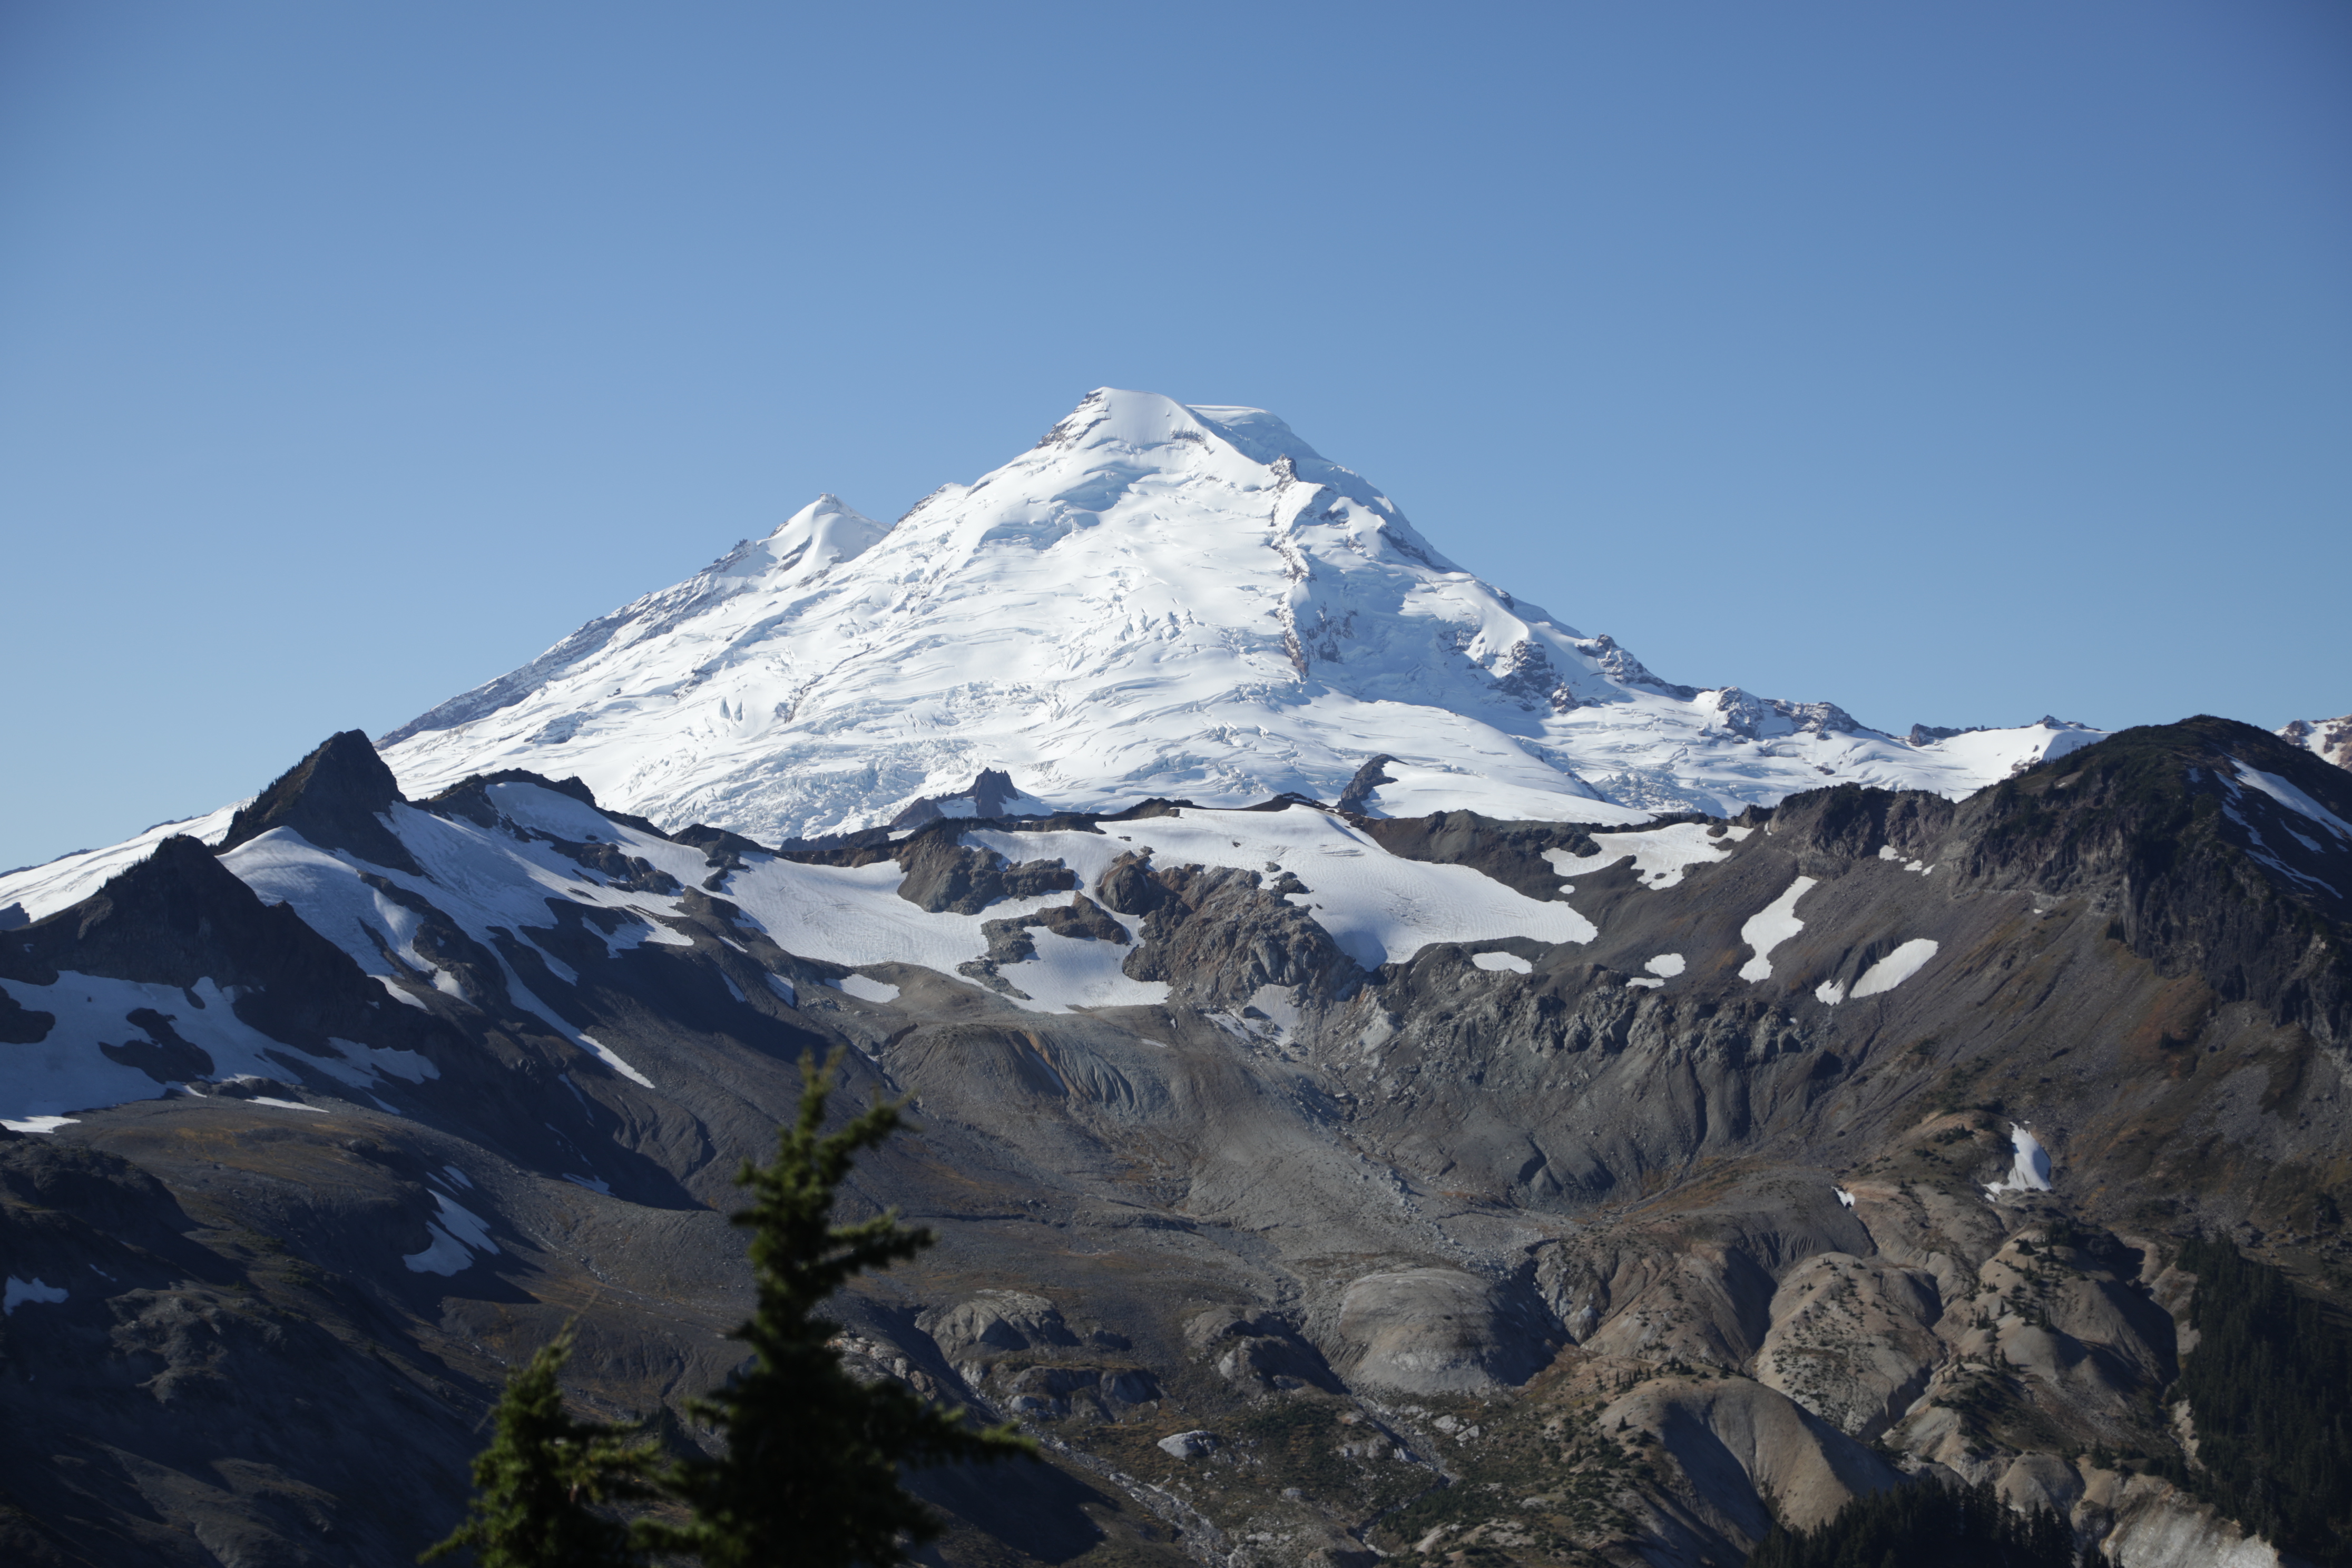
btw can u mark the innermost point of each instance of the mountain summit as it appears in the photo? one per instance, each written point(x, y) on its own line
point(1156, 599)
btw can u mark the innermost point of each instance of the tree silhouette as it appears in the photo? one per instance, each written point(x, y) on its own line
point(542, 1476)
point(809, 1475)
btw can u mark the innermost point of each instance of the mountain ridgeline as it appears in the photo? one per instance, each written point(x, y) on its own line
point(1313, 1183)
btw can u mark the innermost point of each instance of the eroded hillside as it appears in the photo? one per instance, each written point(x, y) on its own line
point(1313, 1184)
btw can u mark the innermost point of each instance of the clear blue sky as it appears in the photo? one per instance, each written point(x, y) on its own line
point(1954, 362)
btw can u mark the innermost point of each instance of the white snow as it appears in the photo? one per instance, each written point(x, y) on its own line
point(39, 1123)
point(1770, 926)
point(1510, 962)
point(1377, 908)
point(1894, 968)
point(1845, 1198)
point(285, 1104)
point(1660, 855)
point(1832, 992)
point(1157, 600)
point(1644, 983)
point(2295, 800)
point(1380, 908)
point(66, 1071)
point(456, 1177)
point(1668, 965)
point(2029, 1170)
point(867, 989)
point(783, 988)
point(458, 1233)
point(20, 1291)
point(487, 881)
point(609, 1057)
point(70, 879)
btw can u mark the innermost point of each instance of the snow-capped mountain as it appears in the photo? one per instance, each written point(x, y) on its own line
point(1156, 599)
point(2329, 739)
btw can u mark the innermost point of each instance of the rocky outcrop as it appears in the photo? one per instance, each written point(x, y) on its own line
point(2329, 740)
point(1217, 935)
point(1737, 1443)
point(335, 798)
point(1437, 1331)
point(945, 875)
point(1851, 1341)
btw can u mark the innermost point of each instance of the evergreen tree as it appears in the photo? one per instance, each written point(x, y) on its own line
point(1929, 1526)
point(809, 1478)
point(542, 1477)
point(2269, 1388)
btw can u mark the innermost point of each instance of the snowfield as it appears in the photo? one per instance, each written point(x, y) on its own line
point(1377, 908)
point(1187, 602)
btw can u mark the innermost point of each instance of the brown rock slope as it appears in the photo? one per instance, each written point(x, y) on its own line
point(1593, 1252)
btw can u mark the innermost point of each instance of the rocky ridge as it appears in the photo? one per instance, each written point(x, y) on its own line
point(1313, 1183)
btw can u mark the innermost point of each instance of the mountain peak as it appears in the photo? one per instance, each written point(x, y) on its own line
point(1156, 598)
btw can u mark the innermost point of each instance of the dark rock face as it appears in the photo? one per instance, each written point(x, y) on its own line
point(469, 797)
point(989, 794)
point(1358, 796)
point(1216, 935)
point(1510, 852)
point(943, 875)
point(333, 798)
point(2199, 871)
point(162, 1055)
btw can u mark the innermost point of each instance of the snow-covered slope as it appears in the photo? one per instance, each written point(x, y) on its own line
point(32, 891)
point(2330, 739)
point(1156, 599)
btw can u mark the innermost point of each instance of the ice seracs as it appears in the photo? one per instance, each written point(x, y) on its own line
point(1157, 599)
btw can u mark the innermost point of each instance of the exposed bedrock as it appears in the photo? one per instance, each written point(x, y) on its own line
point(1438, 1330)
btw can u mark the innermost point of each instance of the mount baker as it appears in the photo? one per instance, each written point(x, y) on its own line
point(1156, 599)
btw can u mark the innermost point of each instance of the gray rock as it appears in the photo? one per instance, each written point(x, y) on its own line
point(1189, 1445)
point(1433, 1330)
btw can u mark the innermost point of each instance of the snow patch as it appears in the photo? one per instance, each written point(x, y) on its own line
point(1845, 1198)
point(612, 1058)
point(1660, 855)
point(66, 1071)
point(1894, 968)
point(1668, 965)
point(1503, 961)
point(1770, 926)
point(458, 1233)
point(867, 989)
point(2295, 800)
point(20, 1292)
point(39, 1123)
point(2028, 1169)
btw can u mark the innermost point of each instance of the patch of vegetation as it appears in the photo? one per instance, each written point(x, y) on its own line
point(1540, 1484)
point(2269, 1388)
point(1929, 1526)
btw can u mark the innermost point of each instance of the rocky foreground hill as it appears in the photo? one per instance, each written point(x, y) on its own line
point(1314, 1185)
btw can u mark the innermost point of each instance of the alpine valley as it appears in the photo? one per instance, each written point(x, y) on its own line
point(1395, 1077)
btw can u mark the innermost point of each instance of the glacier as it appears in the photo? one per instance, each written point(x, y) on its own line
point(1157, 599)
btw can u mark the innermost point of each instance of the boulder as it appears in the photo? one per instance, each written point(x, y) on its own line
point(1434, 1330)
